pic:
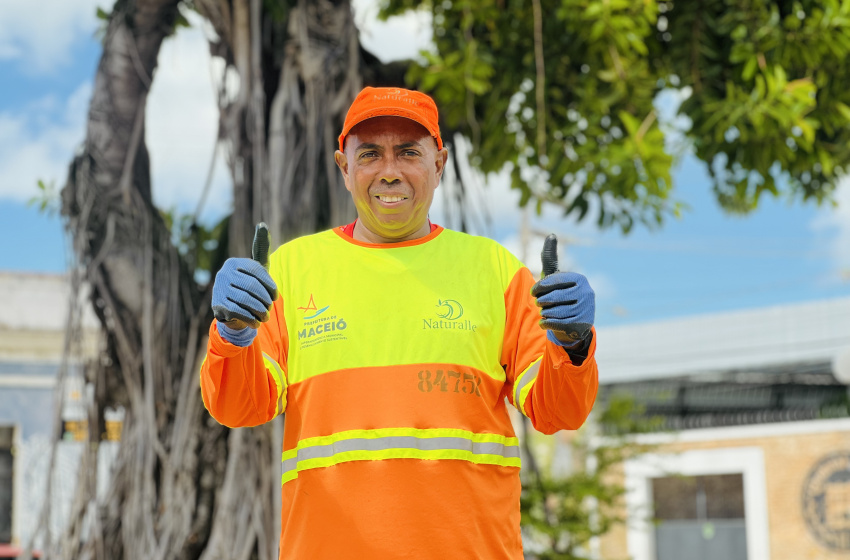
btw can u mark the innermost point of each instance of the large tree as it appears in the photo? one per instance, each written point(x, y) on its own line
point(560, 90)
point(184, 486)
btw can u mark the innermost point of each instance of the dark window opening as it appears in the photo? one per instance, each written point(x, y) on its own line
point(704, 515)
point(6, 484)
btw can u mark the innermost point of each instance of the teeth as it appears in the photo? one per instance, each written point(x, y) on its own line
point(391, 198)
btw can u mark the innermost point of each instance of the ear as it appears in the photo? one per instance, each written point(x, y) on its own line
point(440, 162)
point(342, 162)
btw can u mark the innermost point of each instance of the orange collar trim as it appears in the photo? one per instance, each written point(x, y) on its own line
point(413, 242)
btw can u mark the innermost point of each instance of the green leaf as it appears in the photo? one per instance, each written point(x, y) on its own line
point(826, 162)
point(739, 33)
point(593, 10)
point(630, 122)
point(749, 69)
point(639, 46)
point(607, 75)
point(808, 131)
point(843, 109)
point(597, 30)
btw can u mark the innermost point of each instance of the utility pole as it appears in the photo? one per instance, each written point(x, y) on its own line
point(524, 235)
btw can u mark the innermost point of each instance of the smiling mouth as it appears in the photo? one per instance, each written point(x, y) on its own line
point(390, 198)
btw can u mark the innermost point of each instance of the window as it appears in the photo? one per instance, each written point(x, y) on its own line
point(746, 464)
point(701, 514)
point(6, 481)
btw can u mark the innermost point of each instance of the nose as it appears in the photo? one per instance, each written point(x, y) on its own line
point(390, 173)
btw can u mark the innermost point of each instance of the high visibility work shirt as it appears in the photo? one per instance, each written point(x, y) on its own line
point(393, 364)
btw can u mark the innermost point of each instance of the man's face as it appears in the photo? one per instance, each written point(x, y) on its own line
point(391, 167)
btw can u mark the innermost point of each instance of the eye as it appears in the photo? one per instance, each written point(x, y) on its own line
point(410, 153)
point(368, 154)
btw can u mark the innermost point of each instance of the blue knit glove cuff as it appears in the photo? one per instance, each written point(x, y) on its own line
point(237, 337)
point(565, 345)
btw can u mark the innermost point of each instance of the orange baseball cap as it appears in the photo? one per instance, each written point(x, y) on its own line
point(392, 102)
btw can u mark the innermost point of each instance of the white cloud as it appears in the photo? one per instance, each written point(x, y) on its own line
point(836, 222)
point(37, 143)
point(398, 38)
point(182, 125)
point(41, 33)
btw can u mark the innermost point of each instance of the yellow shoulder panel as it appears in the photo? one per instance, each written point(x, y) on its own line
point(351, 306)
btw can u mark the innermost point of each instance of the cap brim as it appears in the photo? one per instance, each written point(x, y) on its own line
point(390, 112)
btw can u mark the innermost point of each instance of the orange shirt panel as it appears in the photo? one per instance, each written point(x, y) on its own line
point(273, 335)
point(412, 396)
point(402, 509)
point(524, 339)
point(563, 394)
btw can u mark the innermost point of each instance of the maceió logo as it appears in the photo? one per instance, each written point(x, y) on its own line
point(314, 329)
point(326, 326)
point(449, 311)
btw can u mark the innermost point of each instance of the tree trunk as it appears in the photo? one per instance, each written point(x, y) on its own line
point(297, 78)
point(183, 486)
point(171, 458)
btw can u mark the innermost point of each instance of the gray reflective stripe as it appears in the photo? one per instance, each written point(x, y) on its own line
point(281, 381)
point(527, 377)
point(402, 442)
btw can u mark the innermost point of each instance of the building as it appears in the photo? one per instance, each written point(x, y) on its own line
point(32, 340)
point(754, 462)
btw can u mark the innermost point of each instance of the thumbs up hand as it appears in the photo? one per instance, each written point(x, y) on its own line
point(243, 293)
point(567, 302)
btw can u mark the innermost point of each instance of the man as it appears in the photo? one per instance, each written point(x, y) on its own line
point(392, 349)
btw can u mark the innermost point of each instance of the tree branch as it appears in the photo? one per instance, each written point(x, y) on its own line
point(540, 85)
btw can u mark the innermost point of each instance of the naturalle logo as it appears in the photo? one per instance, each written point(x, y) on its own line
point(392, 93)
point(449, 309)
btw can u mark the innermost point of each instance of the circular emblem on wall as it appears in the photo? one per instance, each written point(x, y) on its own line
point(826, 500)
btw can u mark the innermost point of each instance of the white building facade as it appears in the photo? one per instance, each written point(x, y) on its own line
point(33, 407)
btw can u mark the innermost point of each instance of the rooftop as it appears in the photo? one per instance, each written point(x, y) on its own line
point(37, 304)
point(32, 301)
point(810, 335)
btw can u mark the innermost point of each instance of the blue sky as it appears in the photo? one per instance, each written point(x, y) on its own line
point(704, 262)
